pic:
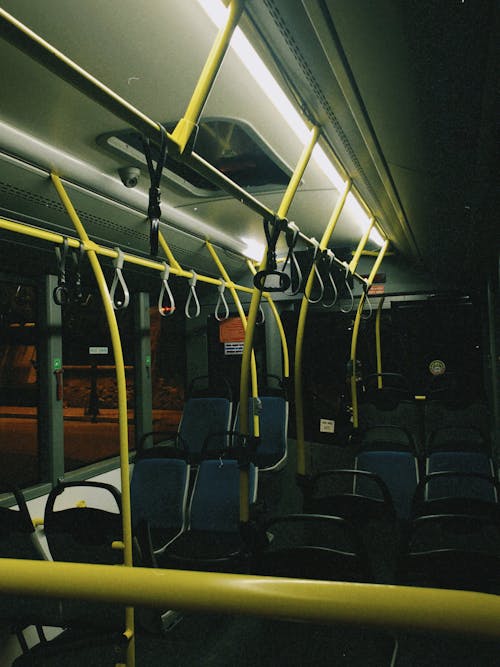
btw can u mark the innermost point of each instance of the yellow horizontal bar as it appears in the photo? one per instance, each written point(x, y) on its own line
point(52, 237)
point(388, 607)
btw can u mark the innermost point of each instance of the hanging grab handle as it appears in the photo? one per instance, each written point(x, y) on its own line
point(118, 278)
point(292, 235)
point(351, 306)
point(366, 287)
point(331, 257)
point(154, 209)
point(166, 310)
point(78, 256)
point(259, 280)
point(192, 295)
point(317, 274)
point(262, 319)
point(61, 293)
point(221, 300)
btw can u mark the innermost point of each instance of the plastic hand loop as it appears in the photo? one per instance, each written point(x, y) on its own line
point(351, 305)
point(221, 300)
point(317, 275)
point(166, 309)
point(332, 283)
point(292, 235)
point(61, 293)
point(368, 303)
point(192, 296)
point(119, 304)
point(283, 282)
point(262, 319)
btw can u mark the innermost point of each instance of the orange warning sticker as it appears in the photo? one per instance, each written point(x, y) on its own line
point(231, 331)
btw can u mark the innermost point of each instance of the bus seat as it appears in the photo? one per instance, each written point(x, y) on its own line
point(213, 539)
point(206, 411)
point(399, 470)
point(17, 541)
point(310, 546)
point(84, 534)
point(458, 551)
point(271, 453)
point(457, 438)
point(158, 497)
point(457, 492)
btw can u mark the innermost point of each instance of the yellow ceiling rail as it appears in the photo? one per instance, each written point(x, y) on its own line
point(355, 331)
point(378, 342)
point(54, 237)
point(304, 306)
point(187, 124)
point(122, 401)
point(391, 608)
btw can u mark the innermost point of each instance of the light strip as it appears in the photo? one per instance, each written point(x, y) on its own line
point(250, 59)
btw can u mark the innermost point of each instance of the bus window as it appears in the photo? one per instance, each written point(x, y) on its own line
point(90, 398)
point(18, 385)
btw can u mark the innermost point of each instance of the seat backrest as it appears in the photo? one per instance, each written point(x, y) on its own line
point(311, 546)
point(158, 498)
point(336, 493)
point(83, 532)
point(17, 540)
point(201, 417)
point(398, 470)
point(457, 438)
point(272, 451)
point(215, 501)
point(453, 551)
point(455, 488)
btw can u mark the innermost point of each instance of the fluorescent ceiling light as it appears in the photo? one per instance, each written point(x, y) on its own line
point(217, 12)
point(254, 249)
point(376, 237)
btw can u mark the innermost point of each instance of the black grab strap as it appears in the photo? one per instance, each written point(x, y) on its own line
point(272, 229)
point(154, 210)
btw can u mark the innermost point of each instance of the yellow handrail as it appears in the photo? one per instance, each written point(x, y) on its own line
point(378, 343)
point(185, 127)
point(256, 294)
point(299, 401)
point(243, 318)
point(53, 237)
point(391, 608)
point(355, 331)
point(122, 401)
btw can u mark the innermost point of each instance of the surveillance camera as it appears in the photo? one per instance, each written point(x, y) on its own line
point(130, 176)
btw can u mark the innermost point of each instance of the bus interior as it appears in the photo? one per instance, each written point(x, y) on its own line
point(249, 351)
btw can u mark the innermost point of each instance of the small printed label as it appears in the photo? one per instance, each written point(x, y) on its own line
point(98, 350)
point(326, 426)
point(233, 348)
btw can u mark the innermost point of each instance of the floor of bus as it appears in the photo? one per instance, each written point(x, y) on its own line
point(241, 641)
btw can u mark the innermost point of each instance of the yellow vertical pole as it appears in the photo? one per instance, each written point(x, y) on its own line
point(255, 301)
point(244, 478)
point(254, 308)
point(122, 400)
point(355, 331)
point(243, 318)
point(168, 253)
point(184, 129)
point(304, 306)
point(378, 343)
point(361, 246)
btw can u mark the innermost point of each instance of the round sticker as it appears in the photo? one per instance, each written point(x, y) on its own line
point(437, 367)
